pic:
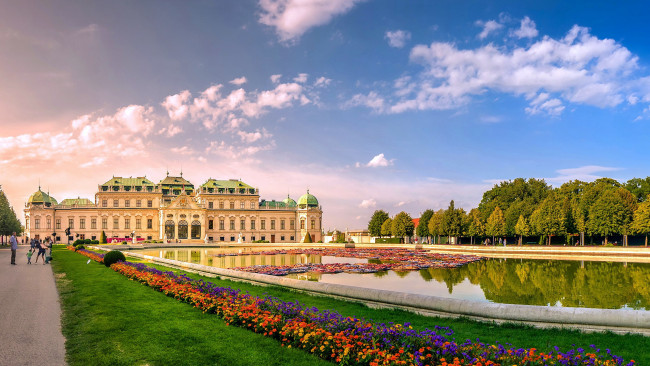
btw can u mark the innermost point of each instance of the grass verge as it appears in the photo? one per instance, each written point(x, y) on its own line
point(110, 320)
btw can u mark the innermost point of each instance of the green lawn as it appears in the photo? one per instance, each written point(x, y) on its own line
point(110, 320)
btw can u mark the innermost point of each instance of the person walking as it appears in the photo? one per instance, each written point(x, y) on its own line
point(41, 251)
point(14, 247)
point(29, 256)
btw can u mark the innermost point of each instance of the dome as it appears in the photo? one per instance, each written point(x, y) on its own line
point(39, 197)
point(289, 202)
point(307, 200)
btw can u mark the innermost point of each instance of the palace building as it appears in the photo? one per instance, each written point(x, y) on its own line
point(175, 210)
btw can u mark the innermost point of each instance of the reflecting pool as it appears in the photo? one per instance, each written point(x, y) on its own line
point(610, 285)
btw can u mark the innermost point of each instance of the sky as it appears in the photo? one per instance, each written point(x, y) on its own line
point(368, 104)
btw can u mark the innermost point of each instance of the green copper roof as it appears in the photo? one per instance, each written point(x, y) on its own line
point(40, 197)
point(138, 181)
point(176, 181)
point(272, 204)
point(213, 183)
point(289, 202)
point(76, 201)
point(307, 200)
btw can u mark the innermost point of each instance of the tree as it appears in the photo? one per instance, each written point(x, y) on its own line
point(307, 238)
point(550, 217)
point(476, 226)
point(640, 188)
point(386, 227)
point(641, 222)
point(522, 228)
point(435, 223)
point(496, 224)
point(402, 225)
point(102, 238)
point(423, 226)
point(378, 218)
point(452, 221)
point(9, 223)
point(608, 215)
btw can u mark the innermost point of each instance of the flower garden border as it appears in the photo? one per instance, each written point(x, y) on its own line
point(344, 340)
point(585, 319)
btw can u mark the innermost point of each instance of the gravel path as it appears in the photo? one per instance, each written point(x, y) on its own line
point(30, 314)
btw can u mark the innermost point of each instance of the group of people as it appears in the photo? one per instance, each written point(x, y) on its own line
point(41, 246)
point(501, 242)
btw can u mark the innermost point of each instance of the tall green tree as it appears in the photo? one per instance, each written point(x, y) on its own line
point(435, 225)
point(377, 219)
point(452, 221)
point(522, 228)
point(609, 214)
point(386, 227)
point(641, 221)
point(496, 224)
point(402, 225)
point(514, 198)
point(639, 187)
point(9, 223)
point(423, 226)
point(549, 218)
point(476, 226)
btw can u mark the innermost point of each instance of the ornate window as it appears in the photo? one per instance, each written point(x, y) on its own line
point(182, 229)
point(104, 223)
point(292, 224)
point(313, 224)
point(116, 222)
point(138, 203)
point(127, 203)
point(138, 224)
point(242, 224)
point(127, 223)
point(272, 224)
point(232, 224)
point(252, 224)
point(93, 223)
point(58, 223)
point(169, 229)
point(282, 226)
point(196, 229)
point(221, 225)
point(82, 223)
point(116, 203)
point(149, 223)
point(71, 223)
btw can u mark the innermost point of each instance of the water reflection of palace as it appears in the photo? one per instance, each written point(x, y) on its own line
point(208, 257)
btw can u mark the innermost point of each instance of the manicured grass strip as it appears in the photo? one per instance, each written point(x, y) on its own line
point(344, 339)
point(108, 320)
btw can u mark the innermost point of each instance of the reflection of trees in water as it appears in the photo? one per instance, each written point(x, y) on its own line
point(380, 274)
point(539, 282)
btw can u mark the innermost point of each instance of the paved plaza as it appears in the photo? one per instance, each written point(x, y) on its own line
point(30, 315)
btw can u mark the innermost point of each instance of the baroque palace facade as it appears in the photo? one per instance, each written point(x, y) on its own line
point(174, 210)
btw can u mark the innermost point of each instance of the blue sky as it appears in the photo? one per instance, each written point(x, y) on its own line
point(369, 104)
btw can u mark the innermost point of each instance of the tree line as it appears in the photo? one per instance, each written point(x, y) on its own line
point(9, 222)
point(521, 208)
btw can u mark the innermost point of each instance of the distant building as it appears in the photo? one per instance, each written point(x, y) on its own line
point(173, 209)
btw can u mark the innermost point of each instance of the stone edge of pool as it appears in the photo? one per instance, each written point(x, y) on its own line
point(588, 319)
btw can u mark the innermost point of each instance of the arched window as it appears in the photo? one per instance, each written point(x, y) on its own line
point(169, 229)
point(182, 229)
point(302, 224)
point(196, 229)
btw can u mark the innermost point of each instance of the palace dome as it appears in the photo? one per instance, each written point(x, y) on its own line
point(307, 200)
point(289, 202)
point(39, 198)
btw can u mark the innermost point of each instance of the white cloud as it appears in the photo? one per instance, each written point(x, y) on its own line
point(301, 78)
point(322, 81)
point(369, 203)
point(379, 161)
point(292, 18)
point(400, 203)
point(275, 78)
point(397, 38)
point(488, 27)
point(491, 119)
point(528, 29)
point(585, 173)
point(549, 73)
point(251, 137)
point(238, 81)
point(373, 101)
point(176, 105)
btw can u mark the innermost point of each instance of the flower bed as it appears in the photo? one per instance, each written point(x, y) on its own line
point(344, 340)
point(396, 259)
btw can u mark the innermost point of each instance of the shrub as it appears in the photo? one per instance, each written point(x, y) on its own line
point(307, 238)
point(88, 241)
point(113, 256)
point(102, 237)
point(79, 247)
point(123, 243)
point(95, 242)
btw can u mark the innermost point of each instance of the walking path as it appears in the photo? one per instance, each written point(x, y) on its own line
point(30, 314)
